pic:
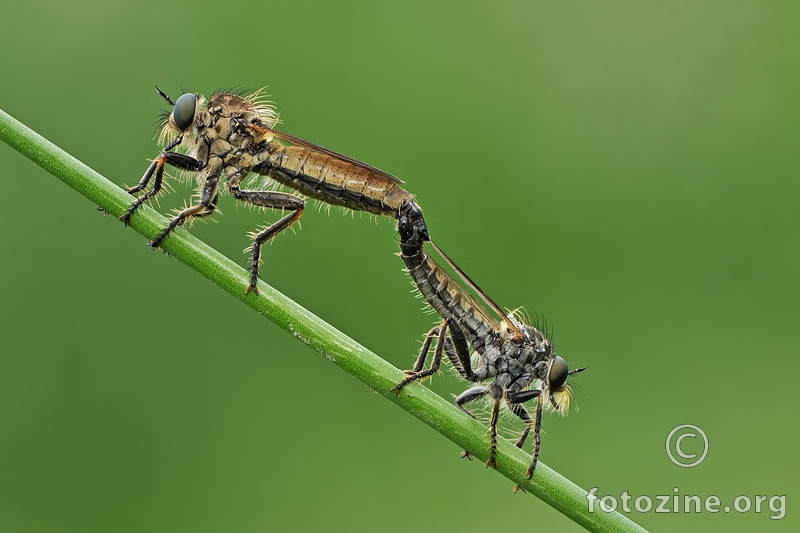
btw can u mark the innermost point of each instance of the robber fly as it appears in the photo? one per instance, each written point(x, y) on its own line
point(232, 135)
point(516, 359)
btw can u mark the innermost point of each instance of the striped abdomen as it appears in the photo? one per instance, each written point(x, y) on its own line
point(440, 290)
point(333, 180)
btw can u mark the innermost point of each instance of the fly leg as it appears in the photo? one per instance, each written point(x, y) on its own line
point(521, 412)
point(274, 200)
point(423, 351)
point(492, 461)
point(457, 351)
point(149, 172)
point(515, 400)
point(156, 167)
point(437, 360)
point(206, 206)
point(469, 395)
point(455, 347)
point(537, 439)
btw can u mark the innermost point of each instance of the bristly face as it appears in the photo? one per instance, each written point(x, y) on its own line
point(184, 114)
point(560, 394)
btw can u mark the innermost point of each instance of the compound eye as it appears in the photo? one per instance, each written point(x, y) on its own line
point(183, 113)
point(557, 377)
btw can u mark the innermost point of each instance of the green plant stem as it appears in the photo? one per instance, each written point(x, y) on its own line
point(441, 415)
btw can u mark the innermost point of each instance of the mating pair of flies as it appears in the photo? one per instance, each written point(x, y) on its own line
point(230, 136)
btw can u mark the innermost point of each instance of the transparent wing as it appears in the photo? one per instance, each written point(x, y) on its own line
point(301, 142)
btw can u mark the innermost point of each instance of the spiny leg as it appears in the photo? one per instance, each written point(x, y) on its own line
point(492, 461)
point(457, 351)
point(274, 200)
point(207, 196)
point(537, 438)
point(469, 395)
point(515, 401)
point(437, 359)
point(455, 346)
point(210, 208)
point(264, 236)
point(452, 355)
point(521, 412)
point(149, 172)
point(423, 351)
point(156, 167)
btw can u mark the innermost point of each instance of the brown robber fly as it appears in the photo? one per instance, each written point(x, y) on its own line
point(224, 139)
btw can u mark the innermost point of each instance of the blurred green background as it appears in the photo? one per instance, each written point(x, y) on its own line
point(628, 169)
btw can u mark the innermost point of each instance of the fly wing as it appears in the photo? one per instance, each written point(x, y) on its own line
point(480, 292)
point(301, 142)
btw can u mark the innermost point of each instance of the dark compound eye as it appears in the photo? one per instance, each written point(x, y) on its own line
point(183, 113)
point(558, 374)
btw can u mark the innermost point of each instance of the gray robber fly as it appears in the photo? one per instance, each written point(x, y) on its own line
point(516, 359)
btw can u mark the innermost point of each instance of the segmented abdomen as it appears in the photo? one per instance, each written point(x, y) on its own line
point(442, 292)
point(333, 180)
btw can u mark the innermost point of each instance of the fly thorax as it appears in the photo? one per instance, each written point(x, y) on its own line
point(223, 128)
point(245, 161)
point(491, 351)
point(502, 381)
point(537, 346)
point(511, 349)
point(542, 352)
point(515, 368)
point(221, 148)
point(527, 355)
point(502, 366)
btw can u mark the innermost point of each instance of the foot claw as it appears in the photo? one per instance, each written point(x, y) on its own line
point(491, 463)
point(529, 473)
point(251, 288)
point(517, 488)
point(466, 455)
